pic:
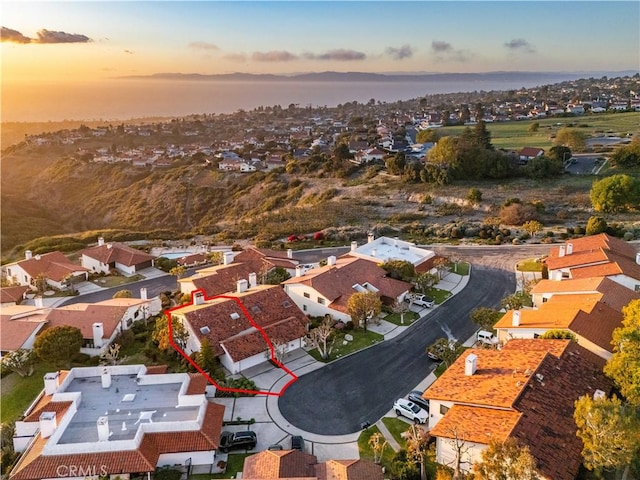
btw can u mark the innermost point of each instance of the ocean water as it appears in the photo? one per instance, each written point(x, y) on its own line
point(126, 99)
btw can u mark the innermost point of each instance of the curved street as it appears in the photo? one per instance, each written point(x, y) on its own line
point(338, 398)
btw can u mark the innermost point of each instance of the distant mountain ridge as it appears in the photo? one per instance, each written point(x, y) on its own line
point(330, 76)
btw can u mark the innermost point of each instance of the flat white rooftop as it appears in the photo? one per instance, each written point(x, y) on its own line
point(384, 249)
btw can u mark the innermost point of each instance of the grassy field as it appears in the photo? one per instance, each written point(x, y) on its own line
point(367, 452)
point(395, 318)
point(516, 135)
point(397, 427)
point(361, 339)
point(18, 392)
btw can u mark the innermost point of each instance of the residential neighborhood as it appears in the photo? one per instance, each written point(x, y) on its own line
point(121, 417)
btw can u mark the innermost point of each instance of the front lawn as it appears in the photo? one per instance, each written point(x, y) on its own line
point(397, 427)
point(461, 268)
point(438, 295)
point(395, 318)
point(19, 392)
point(235, 464)
point(529, 265)
point(367, 452)
point(110, 281)
point(361, 339)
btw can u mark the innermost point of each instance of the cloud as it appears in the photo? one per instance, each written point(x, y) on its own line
point(274, 56)
point(130, 52)
point(13, 36)
point(341, 55)
point(50, 36)
point(206, 46)
point(520, 44)
point(405, 51)
point(439, 46)
point(236, 57)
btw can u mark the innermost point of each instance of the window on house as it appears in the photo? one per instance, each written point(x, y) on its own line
point(536, 335)
point(638, 288)
point(544, 299)
point(304, 308)
point(306, 295)
point(443, 409)
point(565, 274)
point(321, 300)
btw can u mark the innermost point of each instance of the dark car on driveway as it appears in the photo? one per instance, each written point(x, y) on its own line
point(417, 398)
point(237, 441)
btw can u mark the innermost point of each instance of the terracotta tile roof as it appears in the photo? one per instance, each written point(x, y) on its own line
point(117, 253)
point(476, 424)
point(273, 464)
point(197, 384)
point(613, 294)
point(55, 266)
point(616, 265)
point(45, 400)
point(598, 325)
point(583, 285)
point(500, 376)
point(530, 152)
point(16, 332)
point(351, 470)
point(268, 305)
point(547, 406)
point(221, 278)
point(35, 465)
point(84, 315)
point(335, 282)
point(46, 405)
point(577, 258)
point(156, 369)
point(428, 264)
point(13, 294)
point(260, 258)
point(191, 259)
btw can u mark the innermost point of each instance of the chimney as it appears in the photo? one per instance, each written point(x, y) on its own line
point(242, 285)
point(289, 253)
point(561, 251)
point(100, 241)
point(471, 364)
point(48, 424)
point(109, 246)
point(354, 246)
point(39, 302)
point(370, 238)
point(253, 280)
point(395, 242)
point(143, 293)
point(373, 252)
point(331, 260)
point(198, 298)
point(38, 257)
point(106, 377)
point(227, 258)
point(298, 271)
point(569, 248)
point(103, 429)
point(28, 254)
point(51, 383)
point(515, 320)
point(638, 258)
point(98, 333)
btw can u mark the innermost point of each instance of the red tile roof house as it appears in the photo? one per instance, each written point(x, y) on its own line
point(13, 295)
point(326, 290)
point(100, 323)
point(529, 153)
point(223, 278)
point(54, 266)
point(106, 256)
point(119, 420)
point(613, 293)
point(596, 256)
point(235, 338)
point(283, 464)
point(525, 391)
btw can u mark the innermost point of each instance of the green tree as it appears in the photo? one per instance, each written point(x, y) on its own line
point(474, 196)
point(276, 276)
point(399, 269)
point(395, 165)
point(178, 271)
point(534, 127)
point(506, 461)
point(485, 317)
point(572, 138)
point(363, 306)
point(532, 227)
point(616, 193)
point(206, 358)
point(558, 335)
point(624, 365)
point(424, 281)
point(609, 430)
point(215, 258)
point(513, 302)
point(446, 350)
point(59, 345)
point(161, 336)
point(418, 447)
point(560, 153)
point(444, 153)
point(429, 135)
point(20, 361)
point(596, 225)
point(627, 156)
point(123, 294)
point(482, 136)
point(7, 432)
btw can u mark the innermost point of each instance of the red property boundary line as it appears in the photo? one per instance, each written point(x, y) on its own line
point(252, 321)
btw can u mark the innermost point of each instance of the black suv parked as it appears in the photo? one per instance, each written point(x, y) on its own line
point(237, 441)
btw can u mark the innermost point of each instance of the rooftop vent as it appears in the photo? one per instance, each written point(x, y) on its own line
point(234, 316)
point(205, 330)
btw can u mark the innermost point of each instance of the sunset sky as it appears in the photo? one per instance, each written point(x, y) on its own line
point(69, 41)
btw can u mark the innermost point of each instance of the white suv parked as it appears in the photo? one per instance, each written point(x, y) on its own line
point(420, 300)
point(410, 410)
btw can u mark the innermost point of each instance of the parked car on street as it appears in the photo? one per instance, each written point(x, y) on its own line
point(410, 410)
point(237, 441)
point(416, 397)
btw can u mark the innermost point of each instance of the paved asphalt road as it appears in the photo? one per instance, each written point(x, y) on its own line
point(336, 399)
point(154, 286)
